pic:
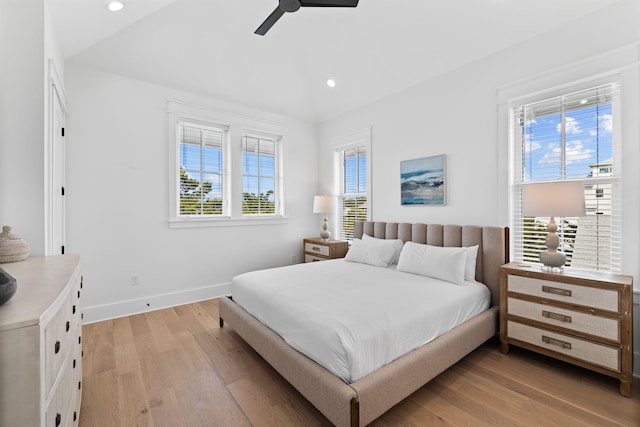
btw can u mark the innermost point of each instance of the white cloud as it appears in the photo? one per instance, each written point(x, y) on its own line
point(606, 122)
point(575, 152)
point(571, 126)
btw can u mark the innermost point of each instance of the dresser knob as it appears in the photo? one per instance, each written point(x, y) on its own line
point(73, 310)
point(58, 419)
point(56, 347)
point(68, 326)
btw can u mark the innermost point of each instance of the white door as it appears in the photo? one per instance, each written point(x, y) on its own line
point(57, 175)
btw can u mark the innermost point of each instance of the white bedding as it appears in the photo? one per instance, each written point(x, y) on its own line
point(354, 318)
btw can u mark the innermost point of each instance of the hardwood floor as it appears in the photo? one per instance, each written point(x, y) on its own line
point(176, 367)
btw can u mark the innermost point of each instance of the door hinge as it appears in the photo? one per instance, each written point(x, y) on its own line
point(62, 249)
point(62, 190)
point(62, 131)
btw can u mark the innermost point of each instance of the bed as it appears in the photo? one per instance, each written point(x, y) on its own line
point(356, 403)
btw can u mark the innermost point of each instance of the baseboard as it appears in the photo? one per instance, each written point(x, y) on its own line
point(98, 313)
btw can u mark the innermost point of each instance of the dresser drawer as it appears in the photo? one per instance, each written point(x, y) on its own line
point(314, 248)
point(57, 343)
point(603, 327)
point(597, 354)
point(312, 258)
point(604, 299)
point(58, 411)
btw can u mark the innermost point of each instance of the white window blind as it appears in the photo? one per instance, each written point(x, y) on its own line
point(260, 175)
point(571, 137)
point(201, 169)
point(353, 189)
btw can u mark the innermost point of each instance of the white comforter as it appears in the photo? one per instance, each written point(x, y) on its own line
point(354, 318)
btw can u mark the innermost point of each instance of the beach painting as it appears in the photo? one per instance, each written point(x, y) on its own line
point(422, 181)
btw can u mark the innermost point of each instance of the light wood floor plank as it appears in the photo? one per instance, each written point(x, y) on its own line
point(176, 367)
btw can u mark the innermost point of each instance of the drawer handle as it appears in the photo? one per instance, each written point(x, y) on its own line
point(68, 326)
point(559, 343)
point(58, 419)
point(315, 248)
point(74, 363)
point(556, 316)
point(556, 291)
point(56, 347)
point(73, 310)
point(75, 415)
point(78, 294)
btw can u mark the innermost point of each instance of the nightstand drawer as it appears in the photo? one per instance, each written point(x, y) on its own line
point(604, 299)
point(602, 355)
point(315, 248)
point(312, 258)
point(603, 327)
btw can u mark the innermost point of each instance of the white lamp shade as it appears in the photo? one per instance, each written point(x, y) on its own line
point(324, 204)
point(557, 199)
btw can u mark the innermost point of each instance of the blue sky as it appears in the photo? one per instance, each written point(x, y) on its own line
point(588, 141)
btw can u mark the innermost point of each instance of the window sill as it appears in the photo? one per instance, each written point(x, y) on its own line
point(226, 222)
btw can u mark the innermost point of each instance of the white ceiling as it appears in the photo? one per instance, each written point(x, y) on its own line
point(379, 48)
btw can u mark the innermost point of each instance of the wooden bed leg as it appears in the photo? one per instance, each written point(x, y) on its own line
point(221, 322)
point(504, 348)
point(355, 413)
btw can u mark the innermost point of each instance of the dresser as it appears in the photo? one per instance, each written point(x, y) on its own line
point(41, 344)
point(316, 249)
point(578, 316)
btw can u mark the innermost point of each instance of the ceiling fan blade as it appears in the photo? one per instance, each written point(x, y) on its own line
point(268, 23)
point(329, 3)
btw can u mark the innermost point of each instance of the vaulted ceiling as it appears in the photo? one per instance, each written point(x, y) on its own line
point(377, 49)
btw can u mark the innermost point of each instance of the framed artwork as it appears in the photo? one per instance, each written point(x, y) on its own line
point(422, 181)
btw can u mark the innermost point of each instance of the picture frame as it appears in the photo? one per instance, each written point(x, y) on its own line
point(423, 181)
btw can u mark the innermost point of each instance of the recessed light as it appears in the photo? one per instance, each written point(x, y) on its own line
point(331, 83)
point(115, 6)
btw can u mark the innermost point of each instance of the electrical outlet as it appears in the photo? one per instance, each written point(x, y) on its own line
point(135, 280)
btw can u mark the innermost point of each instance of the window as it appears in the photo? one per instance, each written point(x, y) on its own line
point(201, 172)
point(225, 169)
point(353, 191)
point(260, 177)
point(570, 137)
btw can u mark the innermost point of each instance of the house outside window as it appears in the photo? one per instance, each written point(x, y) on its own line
point(564, 138)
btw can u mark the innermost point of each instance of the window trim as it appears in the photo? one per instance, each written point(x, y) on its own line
point(351, 140)
point(238, 125)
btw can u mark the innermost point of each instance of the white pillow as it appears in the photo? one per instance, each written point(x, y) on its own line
point(433, 261)
point(470, 263)
point(396, 243)
point(370, 252)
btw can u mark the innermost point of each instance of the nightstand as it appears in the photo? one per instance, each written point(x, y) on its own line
point(578, 316)
point(316, 249)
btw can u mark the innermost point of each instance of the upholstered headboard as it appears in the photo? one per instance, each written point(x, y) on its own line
point(493, 244)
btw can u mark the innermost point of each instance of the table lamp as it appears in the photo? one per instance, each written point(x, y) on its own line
point(553, 199)
point(324, 205)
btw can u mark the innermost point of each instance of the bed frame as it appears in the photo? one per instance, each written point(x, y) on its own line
point(361, 402)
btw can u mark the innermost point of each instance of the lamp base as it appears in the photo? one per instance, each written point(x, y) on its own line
point(325, 234)
point(552, 260)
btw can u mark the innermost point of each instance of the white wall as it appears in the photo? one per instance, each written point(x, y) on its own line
point(22, 119)
point(118, 200)
point(457, 114)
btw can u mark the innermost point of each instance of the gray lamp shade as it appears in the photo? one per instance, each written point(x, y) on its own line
point(324, 204)
point(557, 199)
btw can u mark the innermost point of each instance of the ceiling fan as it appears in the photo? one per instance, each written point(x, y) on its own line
point(293, 5)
